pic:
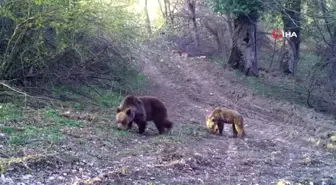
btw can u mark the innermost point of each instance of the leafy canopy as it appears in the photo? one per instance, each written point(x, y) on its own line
point(237, 7)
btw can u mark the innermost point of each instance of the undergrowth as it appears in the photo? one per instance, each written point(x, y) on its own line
point(277, 90)
point(22, 124)
point(9, 111)
point(305, 85)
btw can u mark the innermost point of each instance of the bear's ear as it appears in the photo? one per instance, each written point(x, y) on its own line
point(129, 112)
point(118, 110)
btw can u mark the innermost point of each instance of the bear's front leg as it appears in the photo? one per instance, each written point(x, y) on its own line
point(141, 126)
point(129, 126)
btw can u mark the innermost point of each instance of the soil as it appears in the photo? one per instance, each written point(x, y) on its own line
point(278, 143)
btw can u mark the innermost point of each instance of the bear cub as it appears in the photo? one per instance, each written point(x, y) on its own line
point(220, 116)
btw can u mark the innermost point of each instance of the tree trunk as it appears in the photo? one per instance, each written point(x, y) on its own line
point(168, 12)
point(331, 60)
point(149, 29)
point(330, 26)
point(166, 8)
point(291, 20)
point(192, 10)
point(161, 9)
point(215, 33)
point(243, 54)
point(230, 23)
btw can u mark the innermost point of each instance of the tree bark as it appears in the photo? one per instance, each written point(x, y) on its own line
point(168, 12)
point(161, 9)
point(166, 2)
point(291, 21)
point(215, 33)
point(243, 54)
point(192, 10)
point(230, 23)
point(149, 29)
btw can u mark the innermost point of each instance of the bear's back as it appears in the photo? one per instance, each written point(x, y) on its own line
point(154, 108)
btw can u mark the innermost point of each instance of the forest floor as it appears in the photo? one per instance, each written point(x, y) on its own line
point(284, 141)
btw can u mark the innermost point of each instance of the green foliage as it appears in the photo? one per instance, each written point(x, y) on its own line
point(103, 97)
point(193, 131)
point(137, 81)
point(9, 111)
point(56, 40)
point(108, 99)
point(237, 7)
point(78, 106)
point(52, 116)
point(255, 85)
point(271, 21)
point(307, 62)
point(120, 133)
point(47, 130)
point(31, 133)
point(282, 89)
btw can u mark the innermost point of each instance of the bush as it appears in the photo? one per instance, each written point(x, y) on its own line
point(64, 42)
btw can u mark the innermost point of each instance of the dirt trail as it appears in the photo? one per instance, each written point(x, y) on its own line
point(276, 146)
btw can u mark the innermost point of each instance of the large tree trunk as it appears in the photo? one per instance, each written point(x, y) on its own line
point(192, 10)
point(168, 11)
point(165, 3)
point(291, 20)
point(330, 55)
point(243, 54)
point(149, 29)
point(229, 21)
point(332, 61)
point(215, 33)
point(161, 9)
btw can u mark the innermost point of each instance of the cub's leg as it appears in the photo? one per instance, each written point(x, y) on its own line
point(239, 127)
point(241, 132)
point(234, 130)
point(220, 125)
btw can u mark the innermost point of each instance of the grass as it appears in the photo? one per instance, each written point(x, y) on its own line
point(255, 85)
point(85, 96)
point(47, 130)
point(181, 133)
point(137, 82)
point(218, 60)
point(52, 116)
point(293, 89)
point(282, 89)
point(78, 106)
point(193, 131)
point(39, 127)
point(9, 111)
point(120, 133)
point(32, 133)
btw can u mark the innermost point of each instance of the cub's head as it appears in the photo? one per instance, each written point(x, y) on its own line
point(211, 123)
point(124, 117)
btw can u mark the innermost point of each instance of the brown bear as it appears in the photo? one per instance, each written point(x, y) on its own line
point(140, 110)
point(219, 116)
